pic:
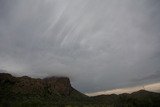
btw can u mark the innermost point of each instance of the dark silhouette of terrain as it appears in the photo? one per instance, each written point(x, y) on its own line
point(58, 92)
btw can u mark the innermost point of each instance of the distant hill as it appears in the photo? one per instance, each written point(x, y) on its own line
point(140, 98)
point(58, 92)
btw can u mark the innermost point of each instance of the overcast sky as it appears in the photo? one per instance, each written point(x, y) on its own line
point(99, 44)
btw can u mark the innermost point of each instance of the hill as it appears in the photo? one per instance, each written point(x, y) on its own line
point(30, 90)
point(58, 92)
point(140, 98)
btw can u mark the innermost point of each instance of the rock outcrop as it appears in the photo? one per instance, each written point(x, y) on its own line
point(59, 84)
point(27, 85)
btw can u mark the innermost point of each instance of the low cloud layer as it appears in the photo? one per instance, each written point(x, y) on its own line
point(99, 44)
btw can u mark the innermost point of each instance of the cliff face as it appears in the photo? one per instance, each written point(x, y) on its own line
point(27, 85)
point(59, 84)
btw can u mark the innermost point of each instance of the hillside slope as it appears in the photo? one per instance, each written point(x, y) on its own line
point(140, 98)
point(58, 92)
point(26, 89)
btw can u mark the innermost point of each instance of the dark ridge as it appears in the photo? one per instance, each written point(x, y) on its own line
point(142, 92)
point(5, 75)
point(58, 92)
point(27, 85)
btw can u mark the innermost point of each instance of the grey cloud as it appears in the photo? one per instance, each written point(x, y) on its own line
point(98, 44)
point(151, 76)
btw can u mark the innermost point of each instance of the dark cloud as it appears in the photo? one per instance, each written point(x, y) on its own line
point(98, 44)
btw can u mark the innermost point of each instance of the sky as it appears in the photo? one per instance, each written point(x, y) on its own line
point(99, 44)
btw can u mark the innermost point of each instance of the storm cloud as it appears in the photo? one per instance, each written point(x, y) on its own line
point(99, 44)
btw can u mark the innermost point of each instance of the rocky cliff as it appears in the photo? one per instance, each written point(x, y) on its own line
point(27, 85)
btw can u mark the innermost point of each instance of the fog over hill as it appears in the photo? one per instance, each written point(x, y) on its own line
point(99, 44)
